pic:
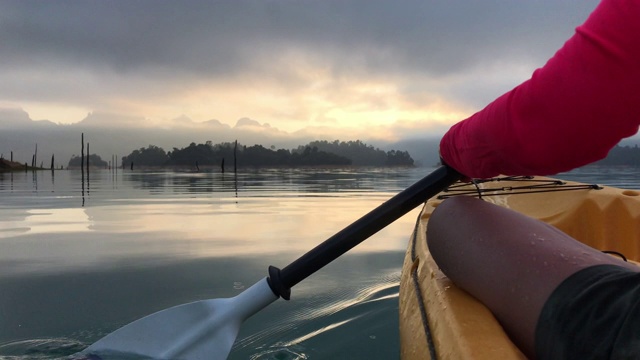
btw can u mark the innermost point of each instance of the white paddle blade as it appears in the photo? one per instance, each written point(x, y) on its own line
point(199, 330)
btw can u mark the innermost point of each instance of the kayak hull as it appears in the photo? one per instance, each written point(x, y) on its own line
point(439, 320)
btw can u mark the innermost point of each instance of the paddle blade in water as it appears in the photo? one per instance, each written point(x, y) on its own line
point(199, 330)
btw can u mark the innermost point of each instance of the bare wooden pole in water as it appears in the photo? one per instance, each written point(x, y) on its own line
point(82, 154)
point(52, 158)
point(235, 162)
point(82, 165)
point(88, 156)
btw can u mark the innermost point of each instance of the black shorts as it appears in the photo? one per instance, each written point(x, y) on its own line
point(593, 314)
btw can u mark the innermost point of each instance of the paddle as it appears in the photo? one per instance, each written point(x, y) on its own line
point(207, 329)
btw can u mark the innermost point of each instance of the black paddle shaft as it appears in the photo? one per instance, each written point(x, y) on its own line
point(281, 281)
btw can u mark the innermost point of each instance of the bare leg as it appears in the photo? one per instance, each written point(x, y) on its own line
point(510, 262)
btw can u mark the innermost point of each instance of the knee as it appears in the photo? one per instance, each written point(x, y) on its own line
point(445, 230)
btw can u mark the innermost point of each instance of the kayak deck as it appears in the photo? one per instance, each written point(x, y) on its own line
point(439, 319)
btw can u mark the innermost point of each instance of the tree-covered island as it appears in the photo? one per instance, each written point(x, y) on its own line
point(94, 160)
point(316, 153)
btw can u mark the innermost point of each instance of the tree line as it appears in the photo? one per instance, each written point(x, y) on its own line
point(94, 160)
point(317, 153)
point(362, 154)
point(622, 155)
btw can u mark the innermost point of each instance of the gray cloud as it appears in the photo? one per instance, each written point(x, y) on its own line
point(219, 38)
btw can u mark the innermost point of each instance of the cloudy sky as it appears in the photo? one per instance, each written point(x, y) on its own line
point(390, 69)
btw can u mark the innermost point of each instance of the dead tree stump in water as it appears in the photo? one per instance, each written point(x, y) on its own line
point(88, 156)
point(82, 154)
point(235, 161)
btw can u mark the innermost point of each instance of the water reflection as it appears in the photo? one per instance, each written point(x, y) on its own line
point(52, 221)
point(66, 239)
point(309, 180)
point(60, 226)
point(123, 184)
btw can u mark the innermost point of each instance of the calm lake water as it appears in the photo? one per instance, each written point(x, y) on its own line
point(79, 259)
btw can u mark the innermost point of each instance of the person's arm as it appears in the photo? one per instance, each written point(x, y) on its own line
point(570, 113)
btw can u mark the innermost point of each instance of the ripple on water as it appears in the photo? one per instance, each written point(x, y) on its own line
point(36, 349)
point(278, 354)
point(353, 323)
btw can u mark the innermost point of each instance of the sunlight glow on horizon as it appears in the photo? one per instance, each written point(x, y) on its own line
point(297, 93)
point(351, 108)
point(57, 113)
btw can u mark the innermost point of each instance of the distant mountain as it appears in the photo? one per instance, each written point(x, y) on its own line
point(19, 119)
point(113, 135)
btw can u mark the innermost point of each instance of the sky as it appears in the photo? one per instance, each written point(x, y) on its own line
point(344, 69)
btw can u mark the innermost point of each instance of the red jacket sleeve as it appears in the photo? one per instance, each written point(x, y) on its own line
point(571, 112)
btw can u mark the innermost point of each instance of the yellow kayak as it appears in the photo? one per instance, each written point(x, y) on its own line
point(439, 320)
